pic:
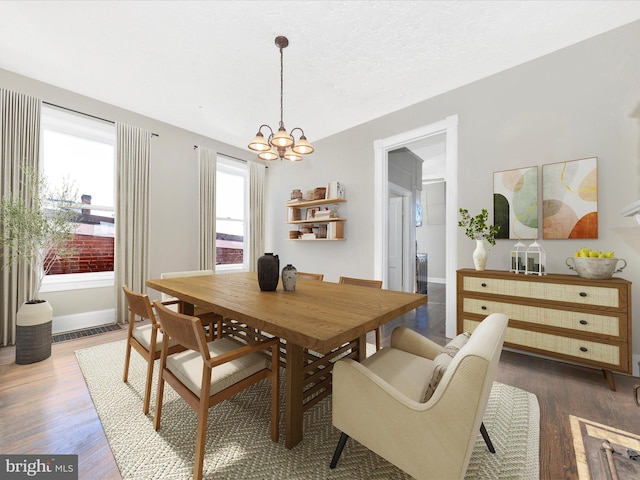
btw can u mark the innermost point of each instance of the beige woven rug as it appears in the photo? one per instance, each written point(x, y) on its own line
point(238, 443)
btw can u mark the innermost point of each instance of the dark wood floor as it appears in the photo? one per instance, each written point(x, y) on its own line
point(46, 408)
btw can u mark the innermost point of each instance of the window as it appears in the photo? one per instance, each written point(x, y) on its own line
point(232, 200)
point(79, 149)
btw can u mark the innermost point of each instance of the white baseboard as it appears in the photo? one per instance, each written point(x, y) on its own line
point(80, 321)
point(436, 280)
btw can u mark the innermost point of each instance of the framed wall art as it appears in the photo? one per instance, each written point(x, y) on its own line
point(570, 199)
point(515, 203)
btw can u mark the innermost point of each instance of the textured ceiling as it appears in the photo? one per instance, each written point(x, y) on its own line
point(212, 67)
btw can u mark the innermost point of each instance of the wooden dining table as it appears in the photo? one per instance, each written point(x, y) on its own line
point(318, 323)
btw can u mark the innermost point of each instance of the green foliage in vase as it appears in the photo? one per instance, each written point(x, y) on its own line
point(476, 227)
point(38, 229)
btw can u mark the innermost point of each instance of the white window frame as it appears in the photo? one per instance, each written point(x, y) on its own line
point(236, 167)
point(84, 126)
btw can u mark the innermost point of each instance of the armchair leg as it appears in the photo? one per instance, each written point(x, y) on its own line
point(336, 455)
point(487, 440)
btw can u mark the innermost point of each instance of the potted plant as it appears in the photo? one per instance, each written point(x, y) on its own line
point(477, 229)
point(37, 231)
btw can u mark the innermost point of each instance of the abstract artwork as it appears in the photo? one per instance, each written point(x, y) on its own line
point(515, 203)
point(570, 199)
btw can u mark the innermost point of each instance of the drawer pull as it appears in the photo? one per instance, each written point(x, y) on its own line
point(583, 322)
point(483, 284)
point(484, 307)
point(583, 349)
point(583, 294)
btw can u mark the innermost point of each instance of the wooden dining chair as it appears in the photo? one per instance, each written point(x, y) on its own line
point(311, 276)
point(146, 339)
point(206, 316)
point(207, 373)
point(363, 282)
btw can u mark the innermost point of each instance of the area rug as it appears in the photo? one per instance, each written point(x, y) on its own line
point(238, 442)
point(593, 462)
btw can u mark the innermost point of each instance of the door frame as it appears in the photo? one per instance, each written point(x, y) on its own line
point(448, 126)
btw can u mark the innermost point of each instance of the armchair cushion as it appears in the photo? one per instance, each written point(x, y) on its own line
point(187, 366)
point(400, 370)
point(143, 335)
point(442, 361)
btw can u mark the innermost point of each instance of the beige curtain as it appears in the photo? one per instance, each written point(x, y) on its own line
point(207, 162)
point(19, 145)
point(131, 266)
point(257, 173)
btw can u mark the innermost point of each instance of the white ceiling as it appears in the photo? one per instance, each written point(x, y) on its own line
point(212, 66)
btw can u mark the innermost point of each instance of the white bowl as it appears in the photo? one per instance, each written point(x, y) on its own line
point(596, 268)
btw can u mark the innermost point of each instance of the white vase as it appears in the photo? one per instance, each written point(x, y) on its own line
point(480, 255)
point(289, 277)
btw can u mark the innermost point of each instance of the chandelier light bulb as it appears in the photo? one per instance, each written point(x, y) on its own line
point(268, 155)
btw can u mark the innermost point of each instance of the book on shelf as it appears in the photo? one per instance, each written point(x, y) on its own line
point(308, 236)
point(335, 230)
point(335, 190)
point(293, 215)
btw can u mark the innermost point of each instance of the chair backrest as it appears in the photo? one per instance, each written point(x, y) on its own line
point(467, 382)
point(311, 276)
point(183, 329)
point(139, 304)
point(363, 282)
point(189, 273)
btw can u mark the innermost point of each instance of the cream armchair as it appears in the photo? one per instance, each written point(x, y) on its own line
point(381, 401)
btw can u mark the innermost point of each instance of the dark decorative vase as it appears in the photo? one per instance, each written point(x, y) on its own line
point(289, 277)
point(268, 272)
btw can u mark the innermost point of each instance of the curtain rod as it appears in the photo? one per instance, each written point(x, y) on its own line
point(226, 155)
point(87, 115)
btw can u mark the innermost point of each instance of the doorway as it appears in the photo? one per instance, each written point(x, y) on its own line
point(448, 127)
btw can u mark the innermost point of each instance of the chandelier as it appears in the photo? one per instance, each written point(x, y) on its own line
point(280, 144)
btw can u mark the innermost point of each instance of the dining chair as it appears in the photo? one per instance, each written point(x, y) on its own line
point(209, 372)
point(207, 317)
point(146, 339)
point(363, 282)
point(311, 276)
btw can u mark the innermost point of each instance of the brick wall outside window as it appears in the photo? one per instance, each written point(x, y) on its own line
point(94, 254)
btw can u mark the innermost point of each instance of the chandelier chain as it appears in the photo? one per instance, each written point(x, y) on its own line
point(281, 87)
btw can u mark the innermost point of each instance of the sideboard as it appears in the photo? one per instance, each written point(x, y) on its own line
point(566, 317)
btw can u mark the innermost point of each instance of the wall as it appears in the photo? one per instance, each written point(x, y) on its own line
point(173, 183)
point(578, 102)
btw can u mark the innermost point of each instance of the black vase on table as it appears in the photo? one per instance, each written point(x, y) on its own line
point(268, 272)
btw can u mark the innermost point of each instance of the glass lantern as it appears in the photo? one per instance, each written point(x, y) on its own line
point(518, 258)
point(535, 259)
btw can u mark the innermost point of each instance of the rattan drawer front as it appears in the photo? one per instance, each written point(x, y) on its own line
point(557, 344)
point(578, 321)
point(558, 292)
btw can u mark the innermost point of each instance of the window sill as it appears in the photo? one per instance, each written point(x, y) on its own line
point(231, 268)
point(77, 281)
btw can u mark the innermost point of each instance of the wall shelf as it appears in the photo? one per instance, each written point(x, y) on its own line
point(333, 227)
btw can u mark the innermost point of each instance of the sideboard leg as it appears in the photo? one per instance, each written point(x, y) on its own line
point(608, 374)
